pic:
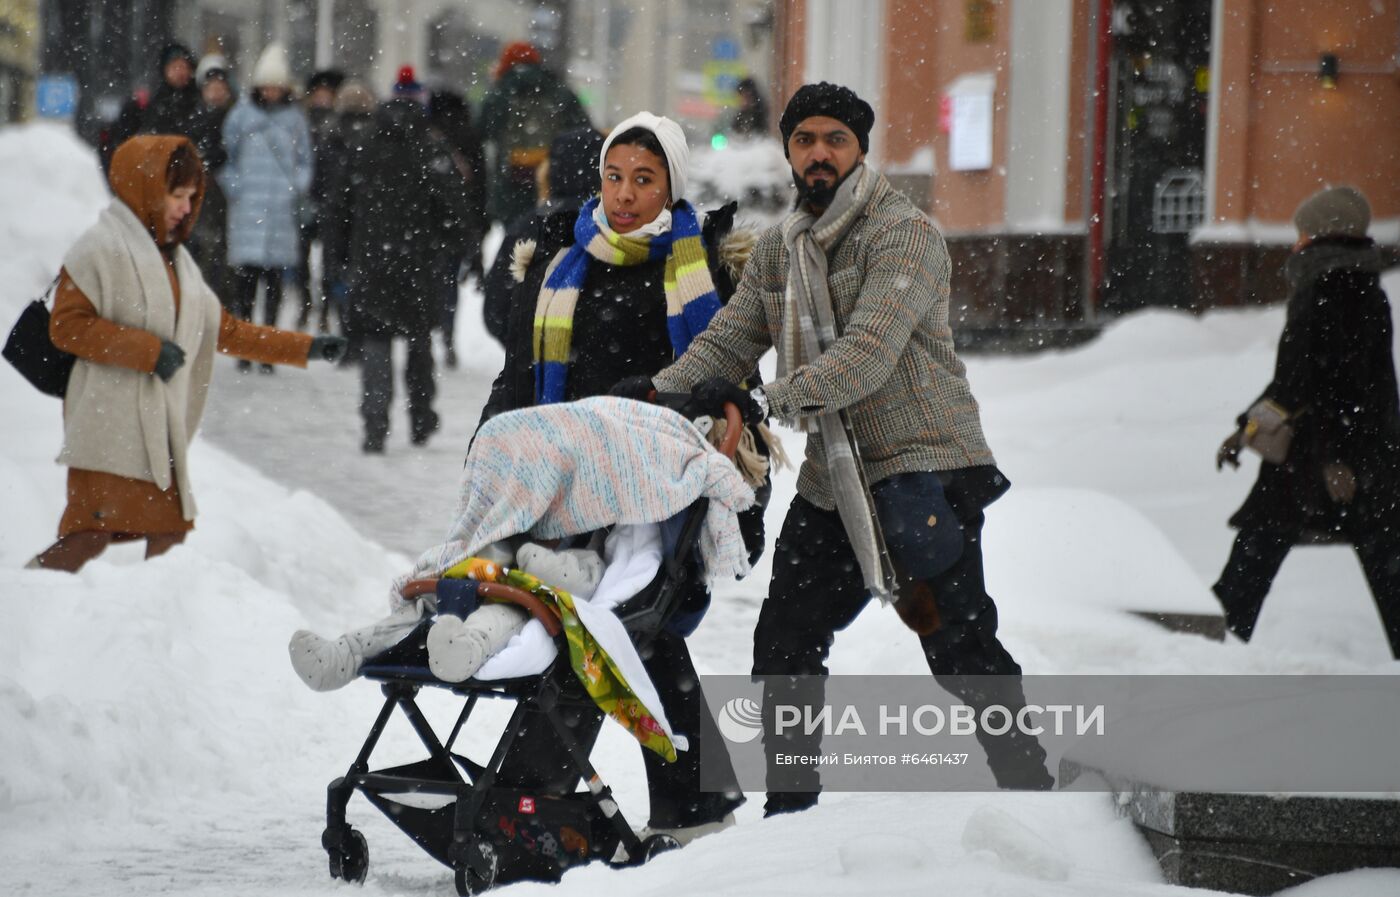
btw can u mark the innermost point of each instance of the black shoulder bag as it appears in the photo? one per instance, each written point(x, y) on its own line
point(33, 354)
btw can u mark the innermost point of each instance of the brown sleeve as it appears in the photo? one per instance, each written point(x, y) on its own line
point(243, 339)
point(76, 327)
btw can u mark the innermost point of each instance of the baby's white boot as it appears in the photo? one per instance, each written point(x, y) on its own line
point(328, 664)
point(457, 648)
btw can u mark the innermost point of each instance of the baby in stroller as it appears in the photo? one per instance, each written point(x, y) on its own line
point(464, 633)
point(646, 478)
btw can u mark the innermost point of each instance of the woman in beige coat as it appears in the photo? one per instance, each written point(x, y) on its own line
point(133, 307)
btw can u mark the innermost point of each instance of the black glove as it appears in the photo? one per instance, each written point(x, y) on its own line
point(169, 360)
point(640, 388)
point(1229, 451)
point(327, 348)
point(710, 396)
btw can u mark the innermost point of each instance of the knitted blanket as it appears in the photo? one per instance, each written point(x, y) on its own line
point(560, 470)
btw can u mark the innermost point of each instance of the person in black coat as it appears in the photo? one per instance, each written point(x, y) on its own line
point(620, 331)
point(451, 122)
point(321, 88)
point(208, 242)
point(573, 180)
point(348, 140)
point(402, 205)
point(1335, 377)
point(174, 107)
point(751, 117)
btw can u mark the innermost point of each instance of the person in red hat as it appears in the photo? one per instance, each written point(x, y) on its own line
point(528, 106)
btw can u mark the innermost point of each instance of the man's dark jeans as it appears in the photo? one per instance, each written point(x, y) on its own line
point(817, 590)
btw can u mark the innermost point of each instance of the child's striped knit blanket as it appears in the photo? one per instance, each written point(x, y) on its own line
point(560, 470)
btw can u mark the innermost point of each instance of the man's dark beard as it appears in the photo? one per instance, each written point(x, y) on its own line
point(819, 196)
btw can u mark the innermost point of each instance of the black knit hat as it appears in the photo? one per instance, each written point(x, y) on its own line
point(331, 78)
point(173, 51)
point(833, 101)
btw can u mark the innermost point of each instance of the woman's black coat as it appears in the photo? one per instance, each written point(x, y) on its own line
point(619, 322)
point(619, 332)
point(1335, 371)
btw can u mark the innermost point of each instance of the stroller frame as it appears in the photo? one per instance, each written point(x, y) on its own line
point(466, 843)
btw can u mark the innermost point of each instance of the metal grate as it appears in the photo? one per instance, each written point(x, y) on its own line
point(1179, 202)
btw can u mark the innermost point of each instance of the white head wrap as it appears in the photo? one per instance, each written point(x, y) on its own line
point(672, 140)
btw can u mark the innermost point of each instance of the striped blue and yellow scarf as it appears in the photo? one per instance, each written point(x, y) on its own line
point(691, 300)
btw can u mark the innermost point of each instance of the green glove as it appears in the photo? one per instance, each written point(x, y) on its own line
point(327, 348)
point(169, 360)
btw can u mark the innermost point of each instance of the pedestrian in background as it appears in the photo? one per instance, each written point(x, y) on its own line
point(519, 117)
point(571, 181)
point(1334, 380)
point(450, 122)
point(750, 119)
point(355, 126)
point(172, 108)
point(321, 88)
point(267, 180)
point(401, 203)
point(208, 242)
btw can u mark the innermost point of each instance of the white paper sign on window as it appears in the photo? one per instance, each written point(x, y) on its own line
point(970, 126)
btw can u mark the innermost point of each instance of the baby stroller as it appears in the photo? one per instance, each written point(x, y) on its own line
point(522, 813)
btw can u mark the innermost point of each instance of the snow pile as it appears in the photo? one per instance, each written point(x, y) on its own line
point(1016, 845)
point(51, 189)
point(755, 173)
point(1348, 884)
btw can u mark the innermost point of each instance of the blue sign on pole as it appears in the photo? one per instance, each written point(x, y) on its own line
point(56, 96)
point(725, 48)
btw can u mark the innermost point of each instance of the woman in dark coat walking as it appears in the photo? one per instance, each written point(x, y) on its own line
point(625, 321)
point(1335, 377)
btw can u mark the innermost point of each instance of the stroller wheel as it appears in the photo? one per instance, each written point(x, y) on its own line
point(655, 845)
point(476, 873)
point(349, 860)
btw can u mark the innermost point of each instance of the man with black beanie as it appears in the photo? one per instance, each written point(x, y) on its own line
point(852, 290)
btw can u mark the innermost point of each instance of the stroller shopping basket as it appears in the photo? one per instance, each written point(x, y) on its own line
point(521, 814)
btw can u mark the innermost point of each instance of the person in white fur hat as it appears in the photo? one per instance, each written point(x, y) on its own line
point(266, 180)
point(600, 282)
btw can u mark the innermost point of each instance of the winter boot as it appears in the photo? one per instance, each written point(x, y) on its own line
point(423, 427)
point(575, 570)
point(781, 802)
point(457, 648)
point(328, 664)
point(687, 833)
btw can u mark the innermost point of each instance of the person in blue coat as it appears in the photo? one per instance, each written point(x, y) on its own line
point(267, 179)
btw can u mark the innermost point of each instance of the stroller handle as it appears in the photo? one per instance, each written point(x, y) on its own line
point(498, 591)
point(732, 416)
point(734, 429)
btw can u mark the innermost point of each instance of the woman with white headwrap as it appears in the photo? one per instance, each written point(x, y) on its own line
point(611, 292)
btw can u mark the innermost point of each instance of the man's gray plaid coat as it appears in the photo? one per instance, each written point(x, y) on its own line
point(893, 367)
